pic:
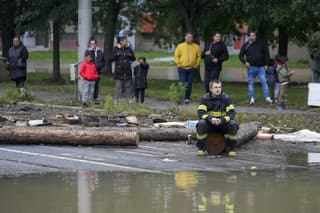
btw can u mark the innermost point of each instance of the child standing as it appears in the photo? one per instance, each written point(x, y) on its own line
point(273, 80)
point(284, 79)
point(140, 78)
point(89, 74)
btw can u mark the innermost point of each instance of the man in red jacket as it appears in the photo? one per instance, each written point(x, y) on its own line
point(89, 74)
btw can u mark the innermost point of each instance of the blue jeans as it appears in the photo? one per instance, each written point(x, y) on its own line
point(186, 76)
point(253, 72)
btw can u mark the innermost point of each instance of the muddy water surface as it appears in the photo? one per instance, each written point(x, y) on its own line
point(90, 192)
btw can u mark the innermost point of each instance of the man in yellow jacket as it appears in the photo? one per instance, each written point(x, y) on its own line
point(187, 57)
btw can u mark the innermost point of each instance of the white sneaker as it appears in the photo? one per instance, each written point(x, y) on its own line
point(251, 101)
point(268, 100)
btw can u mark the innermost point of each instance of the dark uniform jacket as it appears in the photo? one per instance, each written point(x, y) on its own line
point(17, 58)
point(257, 53)
point(217, 107)
point(219, 51)
point(140, 76)
point(122, 57)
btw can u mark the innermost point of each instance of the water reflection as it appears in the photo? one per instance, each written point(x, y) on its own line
point(86, 186)
point(90, 192)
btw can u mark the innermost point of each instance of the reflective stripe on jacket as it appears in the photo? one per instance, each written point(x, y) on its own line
point(217, 107)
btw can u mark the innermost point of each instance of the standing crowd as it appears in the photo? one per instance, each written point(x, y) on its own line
point(131, 76)
point(129, 85)
point(254, 54)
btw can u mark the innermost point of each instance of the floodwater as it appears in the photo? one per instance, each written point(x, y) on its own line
point(90, 192)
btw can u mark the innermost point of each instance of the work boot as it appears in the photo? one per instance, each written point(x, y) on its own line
point(232, 154)
point(186, 101)
point(201, 153)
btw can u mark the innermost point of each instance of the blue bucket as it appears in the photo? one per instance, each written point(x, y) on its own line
point(191, 124)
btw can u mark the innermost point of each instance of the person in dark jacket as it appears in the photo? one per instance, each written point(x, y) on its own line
point(216, 114)
point(122, 55)
point(89, 74)
point(254, 54)
point(17, 59)
point(98, 59)
point(214, 54)
point(140, 78)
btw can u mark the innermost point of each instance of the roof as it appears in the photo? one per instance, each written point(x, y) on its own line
point(146, 24)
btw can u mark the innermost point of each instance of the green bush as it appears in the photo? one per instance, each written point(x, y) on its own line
point(16, 95)
point(176, 92)
point(125, 107)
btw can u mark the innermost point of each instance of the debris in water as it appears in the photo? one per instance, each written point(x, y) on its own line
point(253, 168)
point(169, 160)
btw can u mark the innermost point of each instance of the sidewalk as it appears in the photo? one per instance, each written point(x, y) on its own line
point(163, 105)
point(228, 74)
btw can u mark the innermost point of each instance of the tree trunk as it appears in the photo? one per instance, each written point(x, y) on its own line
point(58, 136)
point(7, 37)
point(247, 131)
point(109, 27)
point(107, 135)
point(283, 40)
point(56, 51)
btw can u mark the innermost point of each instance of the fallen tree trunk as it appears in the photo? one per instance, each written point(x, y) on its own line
point(39, 135)
point(247, 131)
point(119, 136)
point(166, 134)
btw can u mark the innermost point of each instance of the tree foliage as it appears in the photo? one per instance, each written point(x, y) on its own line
point(38, 14)
point(176, 17)
point(278, 21)
point(8, 12)
point(107, 16)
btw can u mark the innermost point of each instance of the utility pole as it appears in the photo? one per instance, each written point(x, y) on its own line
point(84, 34)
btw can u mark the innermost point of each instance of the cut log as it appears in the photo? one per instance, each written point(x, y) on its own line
point(39, 135)
point(166, 134)
point(216, 142)
point(119, 136)
point(247, 131)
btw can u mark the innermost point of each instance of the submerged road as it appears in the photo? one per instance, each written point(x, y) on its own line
point(151, 157)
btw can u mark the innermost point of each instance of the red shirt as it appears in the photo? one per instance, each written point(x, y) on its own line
point(88, 71)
